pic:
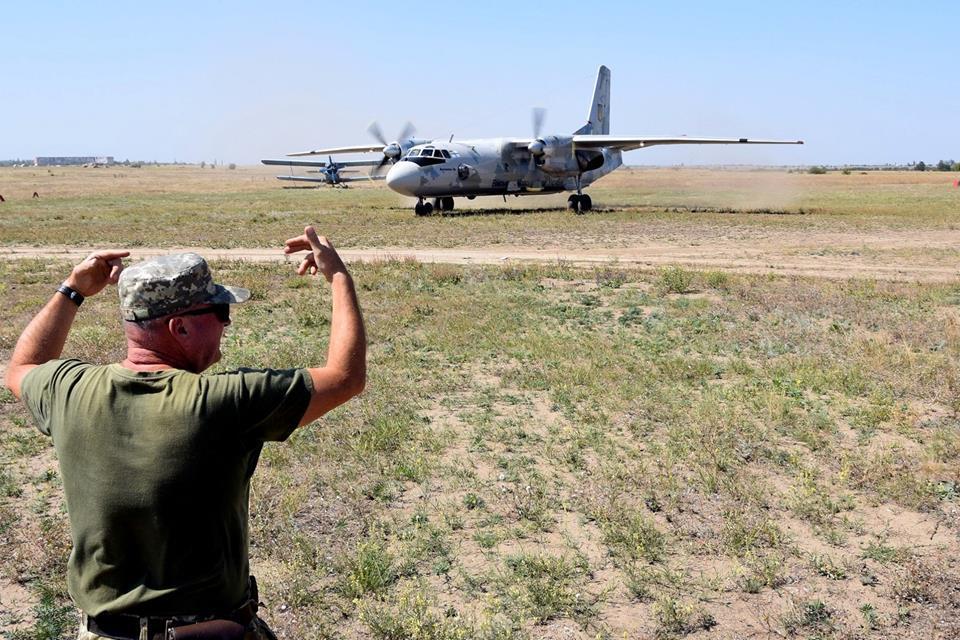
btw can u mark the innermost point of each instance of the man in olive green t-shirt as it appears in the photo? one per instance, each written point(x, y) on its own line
point(155, 456)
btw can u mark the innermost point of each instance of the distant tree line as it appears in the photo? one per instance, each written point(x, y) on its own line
point(126, 163)
point(942, 165)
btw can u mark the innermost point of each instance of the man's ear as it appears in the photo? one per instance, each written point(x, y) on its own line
point(177, 327)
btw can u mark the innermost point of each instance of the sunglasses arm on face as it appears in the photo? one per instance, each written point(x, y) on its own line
point(222, 312)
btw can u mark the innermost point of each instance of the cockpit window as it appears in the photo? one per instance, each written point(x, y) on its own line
point(446, 154)
point(413, 153)
point(437, 154)
point(427, 151)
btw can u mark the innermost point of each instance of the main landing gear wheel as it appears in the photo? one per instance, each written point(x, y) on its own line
point(579, 203)
point(446, 204)
point(423, 209)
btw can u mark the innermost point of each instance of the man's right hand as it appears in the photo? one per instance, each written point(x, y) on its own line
point(323, 258)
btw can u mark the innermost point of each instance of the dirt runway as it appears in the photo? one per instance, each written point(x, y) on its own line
point(903, 256)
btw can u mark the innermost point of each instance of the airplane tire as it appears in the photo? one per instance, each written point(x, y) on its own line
point(446, 204)
point(572, 202)
point(420, 209)
point(427, 208)
point(585, 203)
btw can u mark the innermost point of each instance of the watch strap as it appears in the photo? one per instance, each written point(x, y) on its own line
point(75, 296)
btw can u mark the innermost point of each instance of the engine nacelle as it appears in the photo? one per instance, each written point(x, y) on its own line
point(556, 154)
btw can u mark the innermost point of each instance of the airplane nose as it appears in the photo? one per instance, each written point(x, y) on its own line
point(404, 178)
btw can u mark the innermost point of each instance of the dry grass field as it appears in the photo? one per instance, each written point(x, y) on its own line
point(890, 225)
point(667, 425)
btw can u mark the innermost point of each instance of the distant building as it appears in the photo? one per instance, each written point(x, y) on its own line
point(50, 161)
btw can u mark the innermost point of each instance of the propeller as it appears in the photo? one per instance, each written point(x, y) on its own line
point(391, 150)
point(539, 114)
point(332, 171)
point(538, 146)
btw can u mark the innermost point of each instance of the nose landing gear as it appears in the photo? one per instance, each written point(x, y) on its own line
point(423, 208)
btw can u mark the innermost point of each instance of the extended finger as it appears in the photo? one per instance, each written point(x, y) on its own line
point(296, 244)
point(312, 236)
point(108, 256)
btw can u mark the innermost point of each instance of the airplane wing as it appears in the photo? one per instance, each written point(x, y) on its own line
point(312, 163)
point(363, 148)
point(326, 181)
point(626, 143)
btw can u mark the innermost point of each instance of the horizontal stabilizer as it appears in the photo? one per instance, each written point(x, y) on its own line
point(327, 181)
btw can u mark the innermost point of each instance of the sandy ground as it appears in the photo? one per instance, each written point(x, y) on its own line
point(925, 256)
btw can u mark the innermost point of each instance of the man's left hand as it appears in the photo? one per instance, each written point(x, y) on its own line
point(97, 271)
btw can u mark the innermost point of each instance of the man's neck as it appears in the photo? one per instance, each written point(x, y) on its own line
point(141, 359)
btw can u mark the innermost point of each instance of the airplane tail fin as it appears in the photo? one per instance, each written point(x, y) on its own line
point(599, 121)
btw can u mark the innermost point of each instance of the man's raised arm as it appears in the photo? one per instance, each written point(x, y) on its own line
point(44, 337)
point(345, 372)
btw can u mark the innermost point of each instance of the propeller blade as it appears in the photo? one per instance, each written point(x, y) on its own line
point(377, 169)
point(539, 113)
point(407, 131)
point(374, 130)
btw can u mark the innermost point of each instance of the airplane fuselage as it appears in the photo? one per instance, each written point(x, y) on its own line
point(492, 167)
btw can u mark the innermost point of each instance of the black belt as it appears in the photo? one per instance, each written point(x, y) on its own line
point(126, 626)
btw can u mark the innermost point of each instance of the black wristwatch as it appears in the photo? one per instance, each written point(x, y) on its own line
point(74, 295)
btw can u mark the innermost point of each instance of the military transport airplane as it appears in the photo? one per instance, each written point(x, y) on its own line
point(443, 169)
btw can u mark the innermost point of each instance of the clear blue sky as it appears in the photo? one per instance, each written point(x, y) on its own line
point(869, 82)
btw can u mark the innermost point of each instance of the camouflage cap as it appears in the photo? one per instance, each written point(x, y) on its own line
point(165, 285)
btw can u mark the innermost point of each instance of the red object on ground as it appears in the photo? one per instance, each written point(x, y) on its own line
point(956, 183)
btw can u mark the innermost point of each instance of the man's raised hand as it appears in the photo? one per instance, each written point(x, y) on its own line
point(98, 270)
point(323, 258)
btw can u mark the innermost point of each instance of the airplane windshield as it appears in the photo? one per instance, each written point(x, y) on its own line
point(430, 152)
point(427, 156)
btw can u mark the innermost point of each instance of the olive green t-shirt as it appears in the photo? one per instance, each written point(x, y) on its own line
point(156, 471)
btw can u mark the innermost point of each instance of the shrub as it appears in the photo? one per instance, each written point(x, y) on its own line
point(817, 170)
point(717, 279)
point(676, 279)
point(371, 569)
